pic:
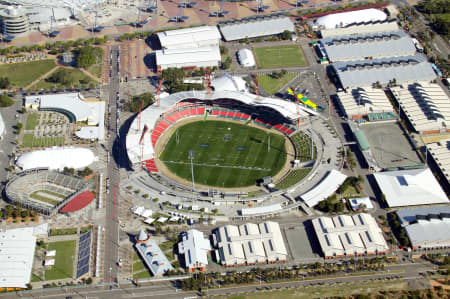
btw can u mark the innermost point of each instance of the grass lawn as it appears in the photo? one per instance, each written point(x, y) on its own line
point(350, 191)
point(29, 141)
point(22, 74)
point(302, 143)
point(272, 85)
point(35, 278)
point(279, 56)
point(42, 198)
point(63, 231)
point(225, 154)
point(293, 178)
point(95, 70)
point(138, 266)
point(65, 255)
point(32, 121)
point(143, 274)
point(77, 76)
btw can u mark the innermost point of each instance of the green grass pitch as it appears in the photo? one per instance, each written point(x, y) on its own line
point(225, 154)
point(279, 56)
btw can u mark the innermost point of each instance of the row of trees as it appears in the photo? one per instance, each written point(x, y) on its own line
point(398, 230)
point(134, 104)
point(16, 211)
point(173, 80)
point(83, 173)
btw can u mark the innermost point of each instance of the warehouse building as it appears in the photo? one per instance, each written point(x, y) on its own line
point(196, 37)
point(367, 46)
point(440, 151)
point(410, 188)
point(426, 105)
point(188, 58)
point(427, 227)
point(361, 28)
point(367, 72)
point(17, 247)
point(343, 19)
point(358, 102)
point(346, 235)
point(258, 26)
point(194, 247)
point(250, 244)
point(152, 255)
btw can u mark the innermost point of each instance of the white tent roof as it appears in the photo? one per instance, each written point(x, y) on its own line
point(246, 58)
point(228, 82)
point(147, 213)
point(57, 158)
point(51, 253)
point(16, 256)
point(345, 18)
point(162, 219)
point(410, 187)
point(149, 220)
point(49, 262)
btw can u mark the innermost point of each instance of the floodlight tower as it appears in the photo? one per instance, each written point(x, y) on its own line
point(152, 6)
point(255, 80)
point(158, 91)
point(261, 7)
point(139, 114)
point(221, 12)
point(208, 80)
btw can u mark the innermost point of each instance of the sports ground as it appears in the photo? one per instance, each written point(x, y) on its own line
point(226, 154)
point(279, 56)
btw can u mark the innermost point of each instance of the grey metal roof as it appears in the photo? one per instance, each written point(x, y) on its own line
point(255, 27)
point(367, 72)
point(434, 231)
point(384, 44)
point(409, 215)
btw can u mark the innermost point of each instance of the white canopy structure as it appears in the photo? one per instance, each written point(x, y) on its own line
point(57, 158)
point(345, 18)
point(49, 262)
point(246, 58)
point(228, 82)
point(51, 253)
point(324, 189)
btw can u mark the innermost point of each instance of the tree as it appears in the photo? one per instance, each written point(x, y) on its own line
point(173, 78)
point(86, 172)
point(226, 64)
point(135, 103)
point(5, 101)
point(4, 82)
point(88, 56)
point(286, 35)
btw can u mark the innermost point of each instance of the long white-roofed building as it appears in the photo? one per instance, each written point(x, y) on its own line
point(363, 100)
point(76, 108)
point(402, 69)
point(246, 58)
point(371, 45)
point(345, 18)
point(188, 58)
point(196, 37)
point(250, 244)
point(440, 151)
point(255, 27)
point(361, 28)
point(17, 248)
point(57, 158)
point(410, 187)
point(426, 105)
point(194, 247)
point(346, 235)
point(325, 188)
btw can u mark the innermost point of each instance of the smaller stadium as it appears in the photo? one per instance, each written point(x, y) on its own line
point(49, 192)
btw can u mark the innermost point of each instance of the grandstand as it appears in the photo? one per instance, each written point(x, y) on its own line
point(45, 191)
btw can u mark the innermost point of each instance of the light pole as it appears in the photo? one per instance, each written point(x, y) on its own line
point(191, 157)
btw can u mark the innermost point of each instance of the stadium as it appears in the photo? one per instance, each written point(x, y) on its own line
point(48, 192)
point(221, 139)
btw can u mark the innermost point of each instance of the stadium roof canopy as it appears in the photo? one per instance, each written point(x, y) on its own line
point(440, 151)
point(76, 108)
point(246, 58)
point(374, 45)
point(324, 189)
point(190, 37)
point(57, 158)
point(77, 5)
point(410, 187)
point(255, 27)
point(345, 18)
point(403, 69)
point(228, 82)
point(139, 146)
point(17, 248)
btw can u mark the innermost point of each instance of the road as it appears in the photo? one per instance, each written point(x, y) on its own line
point(167, 289)
point(112, 204)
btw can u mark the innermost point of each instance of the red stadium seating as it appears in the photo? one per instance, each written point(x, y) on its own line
point(150, 165)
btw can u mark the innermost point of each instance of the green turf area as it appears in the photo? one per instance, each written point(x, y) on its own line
point(35, 278)
point(42, 198)
point(139, 266)
point(63, 231)
point(29, 141)
point(32, 121)
point(272, 85)
point(78, 79)
point(279, 56)
point(302, 143)
point(95, 70)
point(143, 274)
point(22, 74)
point(65, 255)
point(293, 178)
point(226, 154)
